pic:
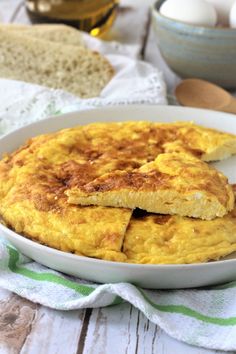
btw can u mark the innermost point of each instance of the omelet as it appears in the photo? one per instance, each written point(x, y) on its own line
point(174, 183)
point(34, 179)
point(166, 239)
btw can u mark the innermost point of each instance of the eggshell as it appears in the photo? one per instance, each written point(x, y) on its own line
point(232, 16)
point(195, 12)
point(223, 9)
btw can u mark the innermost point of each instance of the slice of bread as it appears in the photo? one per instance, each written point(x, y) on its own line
point(72, 68)
point(55, 33)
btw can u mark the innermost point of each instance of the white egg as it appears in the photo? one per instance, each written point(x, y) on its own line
point(195, 12)
point(232, 16)
point(223, 9)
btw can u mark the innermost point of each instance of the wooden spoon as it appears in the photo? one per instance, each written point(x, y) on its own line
point(203, 94)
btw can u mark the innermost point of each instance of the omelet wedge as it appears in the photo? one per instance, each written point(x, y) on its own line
point(174, 183)
point(166, 239)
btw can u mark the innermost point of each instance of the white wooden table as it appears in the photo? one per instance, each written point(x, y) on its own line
point(29, 328)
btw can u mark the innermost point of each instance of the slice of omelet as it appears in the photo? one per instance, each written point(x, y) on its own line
point(166, 239)
point(174, 183)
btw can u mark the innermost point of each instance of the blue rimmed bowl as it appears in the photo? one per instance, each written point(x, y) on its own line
point(193, 51)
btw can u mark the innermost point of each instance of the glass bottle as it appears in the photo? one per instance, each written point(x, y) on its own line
point(93, 16)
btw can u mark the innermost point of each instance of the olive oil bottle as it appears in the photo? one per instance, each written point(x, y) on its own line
point(93, 16)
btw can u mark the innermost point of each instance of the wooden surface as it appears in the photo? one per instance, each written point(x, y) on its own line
point(28, 328)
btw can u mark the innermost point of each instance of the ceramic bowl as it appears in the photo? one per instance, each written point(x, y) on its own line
point(194, 51)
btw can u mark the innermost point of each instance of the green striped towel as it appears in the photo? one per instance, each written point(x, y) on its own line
point(203, 317)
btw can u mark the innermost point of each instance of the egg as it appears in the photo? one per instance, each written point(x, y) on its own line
point(195, 12)
point(223, 10)
point(232, 16)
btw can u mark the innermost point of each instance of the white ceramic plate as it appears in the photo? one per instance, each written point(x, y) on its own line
point(148, 276)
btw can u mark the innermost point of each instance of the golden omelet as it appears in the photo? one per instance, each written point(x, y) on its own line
point(166, 239)
point(174, 183)
point(34, 179)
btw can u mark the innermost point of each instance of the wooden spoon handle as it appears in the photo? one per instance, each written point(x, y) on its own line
point(231, 107)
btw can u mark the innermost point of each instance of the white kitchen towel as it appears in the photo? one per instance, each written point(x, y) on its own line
point(202, 317)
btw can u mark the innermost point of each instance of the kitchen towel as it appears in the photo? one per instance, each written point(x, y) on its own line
point(202, 317)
